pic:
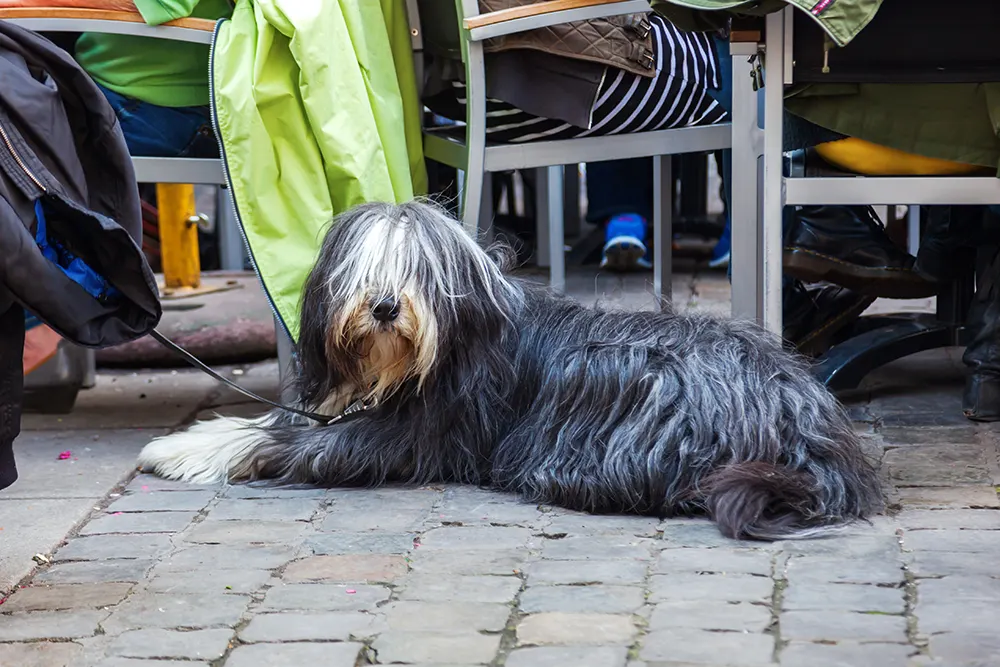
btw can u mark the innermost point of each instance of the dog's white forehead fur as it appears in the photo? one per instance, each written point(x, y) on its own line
point(422, 255)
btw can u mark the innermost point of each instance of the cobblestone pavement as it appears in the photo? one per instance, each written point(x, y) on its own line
point(165, 574)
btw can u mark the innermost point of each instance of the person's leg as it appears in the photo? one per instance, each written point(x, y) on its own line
point(11, 388)
point(155, 131)
point(981, 400)
point(724, 96)
point(620, 197)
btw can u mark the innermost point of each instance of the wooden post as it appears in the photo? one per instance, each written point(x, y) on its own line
point(178, 235)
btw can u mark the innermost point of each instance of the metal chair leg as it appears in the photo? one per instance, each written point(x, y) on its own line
point(663, 183)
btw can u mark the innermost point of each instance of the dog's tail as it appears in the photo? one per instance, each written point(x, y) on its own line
point(767, 501)
point(206, 452)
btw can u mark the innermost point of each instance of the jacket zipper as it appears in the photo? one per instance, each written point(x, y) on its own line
point(17, 158)
point(228, 177)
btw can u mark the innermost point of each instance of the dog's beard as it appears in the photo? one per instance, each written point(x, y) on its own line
point(378, 358)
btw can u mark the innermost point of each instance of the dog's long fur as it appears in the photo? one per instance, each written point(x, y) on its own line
point(488, 380)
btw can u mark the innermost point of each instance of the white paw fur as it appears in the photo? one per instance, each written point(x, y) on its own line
point(205, 452)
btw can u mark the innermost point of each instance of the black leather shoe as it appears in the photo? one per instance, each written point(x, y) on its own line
point(813, 315)
point(848, 246)
point(981, 400)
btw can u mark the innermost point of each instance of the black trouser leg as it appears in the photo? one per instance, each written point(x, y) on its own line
point(11, 389)
point(982, 356)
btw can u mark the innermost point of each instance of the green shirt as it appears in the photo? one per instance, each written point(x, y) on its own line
point(164, 72)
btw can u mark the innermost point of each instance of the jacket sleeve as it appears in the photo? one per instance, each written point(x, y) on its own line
point(155, 12)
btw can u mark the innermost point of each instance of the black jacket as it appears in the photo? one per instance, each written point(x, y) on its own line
point(64, 165)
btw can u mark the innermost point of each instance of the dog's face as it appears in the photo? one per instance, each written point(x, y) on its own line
point(394, 290)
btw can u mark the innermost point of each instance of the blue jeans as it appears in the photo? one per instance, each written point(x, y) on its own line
point(155, 131)
point(626, 186)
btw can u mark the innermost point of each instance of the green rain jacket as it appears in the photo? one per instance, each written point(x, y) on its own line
point(316, 108)
point(841, 19)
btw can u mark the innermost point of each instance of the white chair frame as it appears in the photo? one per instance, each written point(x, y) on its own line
point(757, 212)
point(477, 159)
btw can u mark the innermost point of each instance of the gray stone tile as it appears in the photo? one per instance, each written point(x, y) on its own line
point(470, 538)
point(446, 617)
point(469, 562)
point(228, 557)
point(585, 572)
point(50, 625)
point(246, 532)
point(950, 519)
point(66, 596)
point(843, 597)
point(294, 627)
point(145, 483)
point(267, 509)
point(971, 497)
point(319, 653)
point(590, 524)
point(710, 587)
point(95, 571)
point(959, 587)
point(567, 629)
point(203, 645)
point(842, 625)
point(40, 654)
point(702, 615)
point(943, 563)
point(103, 547)
point(707, 648)
point(822, 569)
point(963, 617)
point(447, 588)
point(347, 568)
point(558, 656)
point(684, 533)
point(139, 522)
point(598, 547)
point(176, 610)
point(552, 656)
point(411, 647)
point(210, 581)
point(163, 501)
point(582, 599)
point(967, 647)
point(714, 561)
point(845, 654)
point(494, 512)
point(938, 465)
point(324, 597)
point(972, 541)
point(333, 544)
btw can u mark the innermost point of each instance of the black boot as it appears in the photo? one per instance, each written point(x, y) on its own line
point(813, 315)
point(981, 401)
point(950, 237)
point(848, 246)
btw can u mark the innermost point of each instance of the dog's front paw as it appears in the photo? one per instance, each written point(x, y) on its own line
point(202, 454)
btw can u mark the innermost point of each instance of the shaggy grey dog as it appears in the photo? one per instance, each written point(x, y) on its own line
point(483, 379)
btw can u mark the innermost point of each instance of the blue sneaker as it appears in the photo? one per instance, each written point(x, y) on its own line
point(722, 250)
point(624, 249)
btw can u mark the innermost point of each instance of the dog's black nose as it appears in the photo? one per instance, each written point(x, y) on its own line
point(385, 310)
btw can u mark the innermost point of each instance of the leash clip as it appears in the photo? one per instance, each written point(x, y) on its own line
point(356, 408)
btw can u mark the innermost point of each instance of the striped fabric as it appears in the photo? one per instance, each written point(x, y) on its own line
point(677, 96)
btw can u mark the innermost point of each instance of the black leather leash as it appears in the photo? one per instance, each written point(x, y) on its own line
point(353, 411)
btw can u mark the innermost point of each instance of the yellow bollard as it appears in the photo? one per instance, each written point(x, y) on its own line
point(178, 235)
